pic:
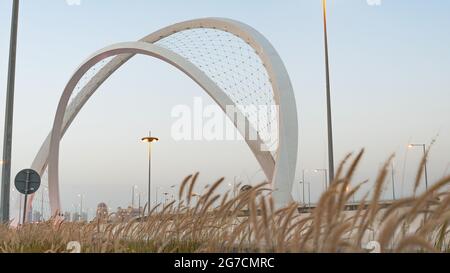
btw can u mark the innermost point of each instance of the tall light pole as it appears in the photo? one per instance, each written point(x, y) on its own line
point(165, 197)
point(329, 119)
point(149, 139)
point(9, 111)
point(303, 184)
point(309, 194)
point(172, 189)
point(139, 201)
point(424, 148)
point(309, 191)
point(347, 191)
point(133, 195)
point(303, 177)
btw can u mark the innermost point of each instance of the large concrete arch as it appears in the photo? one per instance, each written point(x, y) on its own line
point(279, 170)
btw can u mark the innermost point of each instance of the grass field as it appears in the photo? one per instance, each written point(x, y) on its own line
point(415, 224)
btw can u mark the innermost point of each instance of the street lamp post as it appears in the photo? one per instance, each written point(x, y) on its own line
point(133, 194)
point(303, 186)
point(424, 148)
point(149, 140)
point(300, 199)
point(9, 111)
point(139, 202)
point(172, 189)
point(165, 198)
point(309, 192)
point(329, 118)
point(303, 177)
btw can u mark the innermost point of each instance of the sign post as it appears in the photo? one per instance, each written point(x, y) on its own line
point(27, 182)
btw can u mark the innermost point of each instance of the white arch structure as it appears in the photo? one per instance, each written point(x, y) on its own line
point(279, 168)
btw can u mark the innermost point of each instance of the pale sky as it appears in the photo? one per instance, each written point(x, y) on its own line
point(389, 76)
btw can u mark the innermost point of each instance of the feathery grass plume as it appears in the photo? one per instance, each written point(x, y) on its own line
point(414, 241)
point(423, 200)
point(373, 208)
point(183, 185)
point(347, 179)
point(191, 188)
point(420, 171)
point(249, 222)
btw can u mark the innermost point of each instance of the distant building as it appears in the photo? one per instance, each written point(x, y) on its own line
point(75, 217)
point(127, 214)
point(36, 217)
point(102, 211)
point(84, 216)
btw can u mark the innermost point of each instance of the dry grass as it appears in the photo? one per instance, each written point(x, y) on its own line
point(215, 223)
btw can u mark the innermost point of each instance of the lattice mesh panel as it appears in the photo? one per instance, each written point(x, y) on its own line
point(237, 69)
point(89, 75)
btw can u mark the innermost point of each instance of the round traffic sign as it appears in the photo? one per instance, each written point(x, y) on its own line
point(27, 181)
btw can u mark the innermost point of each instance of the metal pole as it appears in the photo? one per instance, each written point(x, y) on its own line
point(149, 173)
point(329, 119)
point(299, 194)
point(132, 197)
point(303, 187)
point(42, 206)
point(426, 171)
point(20, 206)
point(25, 208)
point(27, 180)
point(139, 204)
point(7, 138)
point(309, 194)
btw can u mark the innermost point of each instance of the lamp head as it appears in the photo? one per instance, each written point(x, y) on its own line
point(150, 139)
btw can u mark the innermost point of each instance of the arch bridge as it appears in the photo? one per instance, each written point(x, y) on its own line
point(232, 62)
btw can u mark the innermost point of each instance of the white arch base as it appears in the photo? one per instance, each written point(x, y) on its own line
point(279, 170)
